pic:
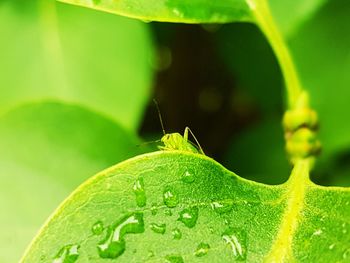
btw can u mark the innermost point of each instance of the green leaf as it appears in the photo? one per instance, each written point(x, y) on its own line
point(76, 55)
point(47, 150)
point(214, 217)
point(291, 14)
point(266, 160)
point(321, 51)
point(194, 11)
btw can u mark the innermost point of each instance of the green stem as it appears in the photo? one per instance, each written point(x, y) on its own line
point(267, 24)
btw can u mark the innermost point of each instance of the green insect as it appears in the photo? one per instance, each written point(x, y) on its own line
point(175, 141)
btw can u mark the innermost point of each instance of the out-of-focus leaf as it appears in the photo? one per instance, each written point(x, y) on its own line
point(194, 11)
point(194, 210)
point(268, 163)
point(52, 50)
point(248, 54)
point(291, 14)
point(48, 149)
point(321, 50)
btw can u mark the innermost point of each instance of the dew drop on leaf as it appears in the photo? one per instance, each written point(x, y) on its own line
point(176, 233)
point(317, 232)
point(154, 209)
point(170, 198)
point(174, 259)
point(211, 229)
point(222, 207)
point(67, 254)
point(346, 253)
point(150, 254)
point(139, 190)
point(188, 177)
point(202, 250)
point(158, 228)
point(189, 216)
point(236, 239)
point(97, 228)
point(168, 212)
point(113, 245)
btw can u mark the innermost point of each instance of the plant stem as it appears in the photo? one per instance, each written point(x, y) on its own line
point(267, 24)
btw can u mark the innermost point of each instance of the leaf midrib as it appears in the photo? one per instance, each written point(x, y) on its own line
point(281, 249)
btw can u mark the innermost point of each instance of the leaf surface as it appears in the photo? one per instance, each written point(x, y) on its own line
point(194, 210)
point(195, 11)
point(76, 55)
point(291, 14)
point(47, 150)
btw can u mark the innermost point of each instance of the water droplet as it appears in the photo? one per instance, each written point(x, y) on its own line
point(237, 240)
point(202, 250)
point(97, 228)
point(177, 12)
point(158, 228)
point(67, 254)
point(317, 232)
point(150, 254)
point(189, 216)
point(170, 198)
point(139, 190)
point(154, 209)
point(331, 246)
point(346, 253)
point(174, 259)
point(176, 233)
point(168, 212)
point(188, 177)
point(222, 207)
point(211, 230)
point(113, 245)
point(344, 230)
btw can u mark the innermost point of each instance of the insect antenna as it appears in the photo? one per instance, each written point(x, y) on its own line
point(146, 143)
point(159, 115)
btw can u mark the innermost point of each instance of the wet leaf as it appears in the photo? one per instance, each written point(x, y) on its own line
point(195, 11)
point(220, 216)
point(47, 150)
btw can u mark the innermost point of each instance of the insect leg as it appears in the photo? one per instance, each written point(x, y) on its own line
point(187, 129)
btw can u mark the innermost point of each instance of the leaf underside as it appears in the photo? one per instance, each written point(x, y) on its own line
point(190, 208)
point(195, 11)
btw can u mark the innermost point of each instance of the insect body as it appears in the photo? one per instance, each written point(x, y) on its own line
point(175, 141)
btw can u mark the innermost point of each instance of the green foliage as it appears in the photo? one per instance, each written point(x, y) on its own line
point(48, 150)
point(62, 52)
point(196, 11)
point(324, 74)
point(174, 205)
point(219, 215)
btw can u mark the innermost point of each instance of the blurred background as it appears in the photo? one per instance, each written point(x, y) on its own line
point(76, 90)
